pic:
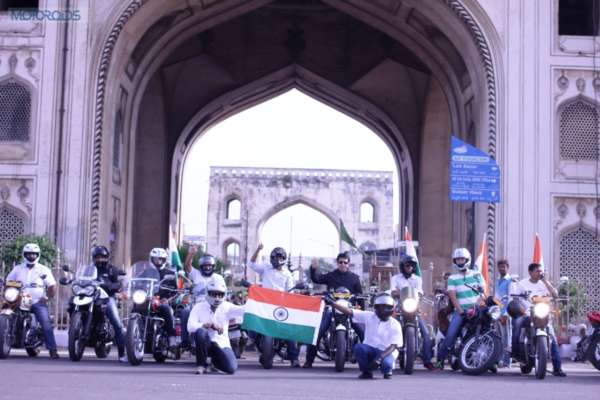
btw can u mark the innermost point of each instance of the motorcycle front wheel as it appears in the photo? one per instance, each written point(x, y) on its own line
point(161, 344)
point(135, 341)
point(594, 353)
point(340, 350)
point(266, 358)
point(76, 344)
point(410, 349)
point(480, 353)
point(541, 357)
point(5, 342)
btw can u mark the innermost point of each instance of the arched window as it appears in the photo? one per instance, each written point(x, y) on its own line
point(579, 131)
point(234, 209)
point(232, 254)
point(15, 111)
point(12, 225)
point(367, 212)
point(579, 250)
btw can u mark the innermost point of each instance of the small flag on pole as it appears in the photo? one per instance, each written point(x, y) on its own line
point(411, 250)
point(538, 256)
point(176, 259)
point(345, 237)
point(481, 265)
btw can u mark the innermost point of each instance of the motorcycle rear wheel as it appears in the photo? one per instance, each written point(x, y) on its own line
point(266, 358)
point(135, 342)
point(161, 344)
point(5, 344)
point(32, 351)
point(526, 368)
point(474, 360)
point(340, 350)
point(541, 357)
point(76, 345)
point(102, 350)
point(594, 353)
point(410, 350)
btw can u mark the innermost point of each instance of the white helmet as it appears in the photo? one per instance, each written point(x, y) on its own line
point(461, 253)
point(158, 257)
point(31, 248)
point(215, 292)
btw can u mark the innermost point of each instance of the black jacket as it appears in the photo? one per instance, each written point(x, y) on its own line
point(336, 279)
point(165, 292)
point(109, 279)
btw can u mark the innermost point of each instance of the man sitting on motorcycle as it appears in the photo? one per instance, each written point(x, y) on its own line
point(158, 258)
point(200, 279)
point(537, 285)
point(108, 276)
point(407, 278)
point(32, 273)
point(340, 277)
point(463, 290)
point(274, 276)
point(383, 335)
point(208, 324)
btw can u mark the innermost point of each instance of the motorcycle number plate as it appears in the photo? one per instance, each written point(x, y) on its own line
point(82, 301)
point(235, 334)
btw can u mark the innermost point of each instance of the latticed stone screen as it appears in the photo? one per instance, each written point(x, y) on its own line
point(15, 111)
point(580, 261)
point(579, 132)
point(11, 225)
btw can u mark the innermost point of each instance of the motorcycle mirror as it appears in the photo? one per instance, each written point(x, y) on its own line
point(65, 268)
point(63, 281)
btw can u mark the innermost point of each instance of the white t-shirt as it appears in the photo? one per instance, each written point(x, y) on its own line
point(378, 333)
point(535, 289)
point(201, 282)
point(202, 313)
point(399, 281)
point(33, 275)
point(271, 278)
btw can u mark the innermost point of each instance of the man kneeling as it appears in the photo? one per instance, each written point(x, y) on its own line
point(209, 325)
point(383, 335)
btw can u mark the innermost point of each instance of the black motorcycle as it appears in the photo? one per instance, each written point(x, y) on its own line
point(89, 325)
point(18, 325)
point(146, 331)
point(589, 347)
point(407, 313)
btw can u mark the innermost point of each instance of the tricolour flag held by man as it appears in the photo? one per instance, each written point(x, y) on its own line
point(538, 255)
point(283, 315)
point(411, 250)
point(481, 265)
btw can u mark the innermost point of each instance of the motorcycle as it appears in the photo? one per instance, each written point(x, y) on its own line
point(237, 337)
point(18, 326)
point(443, 310)
point(534, 338)
point(339, 340)
point(589, 347)
point(146, 332)
point(407, 313)
point(481, 343)
point(89, 324)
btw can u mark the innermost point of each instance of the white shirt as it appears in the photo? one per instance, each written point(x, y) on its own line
point(535, 289)
point(201, 282)
point(399, 281)
point(202, 314)
point(271, 278)
point(379, 334)
point(33, 275)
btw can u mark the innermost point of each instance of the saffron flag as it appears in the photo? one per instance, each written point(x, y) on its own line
point(283, 315)
point(481, 265)
point(538, 256)
point(176, 260)
point(411, 250)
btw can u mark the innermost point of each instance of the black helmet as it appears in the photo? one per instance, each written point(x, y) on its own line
point(278, 257)
point(207, 265)
point(100, 251)
point(408, 259)
point(515, 308)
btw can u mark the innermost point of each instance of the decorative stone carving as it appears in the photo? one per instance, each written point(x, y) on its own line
point(12, 63)
point(563, 82)
point(581, 210)
point(597, 212)
point(580, 83)
point(563, 210)
point(5, 192)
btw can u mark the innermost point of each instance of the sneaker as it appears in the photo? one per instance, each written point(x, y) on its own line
point(200, 370)
point(54, 354)
point(439, 365)
point(295, 364)
point(307, 365)
point(123, 359)
point(387, 375)
point(365, 375)
point(559, 372)
point(429, 366)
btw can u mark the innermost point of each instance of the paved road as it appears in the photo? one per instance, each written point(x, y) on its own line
point(42, 378)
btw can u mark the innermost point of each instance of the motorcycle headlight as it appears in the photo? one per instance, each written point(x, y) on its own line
point(494, 312)
point(343, 302)
point(410, 305)
point(11, 294)
point(139, 297)
point(76, 289)
point(541, 310)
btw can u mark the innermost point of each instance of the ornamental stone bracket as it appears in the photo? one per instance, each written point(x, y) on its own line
point(573, 211)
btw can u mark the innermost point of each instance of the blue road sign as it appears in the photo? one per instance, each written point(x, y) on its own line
point(474, 175)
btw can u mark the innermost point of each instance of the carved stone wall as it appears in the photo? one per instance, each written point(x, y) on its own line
point(15, 208)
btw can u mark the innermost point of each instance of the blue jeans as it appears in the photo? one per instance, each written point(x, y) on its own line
point(516, 334)
point(221, 358)
point(185, 316)
point(427, 346)
point(366, 354)
point(453, 330)
point(505, 331)
point(113, 316)
point(40, 311)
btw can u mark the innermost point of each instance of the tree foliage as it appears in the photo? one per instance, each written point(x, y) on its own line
point(11, 252)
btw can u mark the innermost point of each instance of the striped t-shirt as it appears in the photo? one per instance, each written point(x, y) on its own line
point(460, 282)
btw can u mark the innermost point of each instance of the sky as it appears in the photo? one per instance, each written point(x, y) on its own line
point(289, 131)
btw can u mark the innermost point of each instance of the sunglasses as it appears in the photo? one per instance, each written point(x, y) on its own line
point(218, 295)
point(342, 262)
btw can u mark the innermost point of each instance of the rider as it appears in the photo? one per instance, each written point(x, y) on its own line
point(209, 324)
point(340, 277)
point(408, 278)
point(463, 290)
point(383, 335)
point(35, 276)
point(158, 258)
point(537, 285)
point(108, 275)
point(200, 279)
point(274, 276)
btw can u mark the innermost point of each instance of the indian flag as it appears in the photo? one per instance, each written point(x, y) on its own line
point(175, 259)
point(283, 315)
point(538, 255)
point(411, 250)
point(481, 264)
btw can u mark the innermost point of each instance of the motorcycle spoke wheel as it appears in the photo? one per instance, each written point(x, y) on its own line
point(5, 342)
